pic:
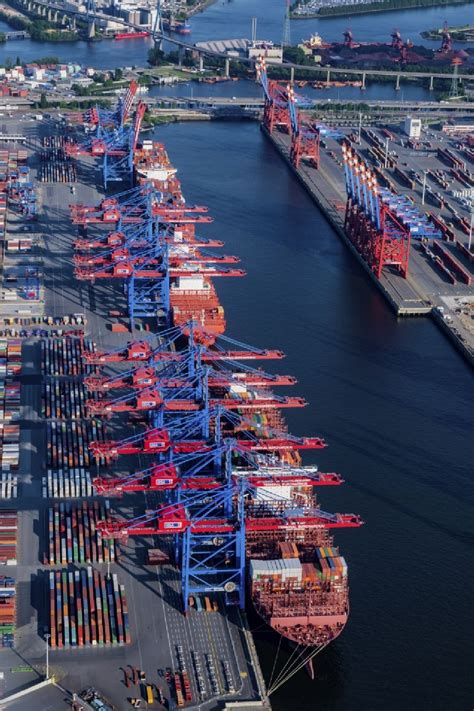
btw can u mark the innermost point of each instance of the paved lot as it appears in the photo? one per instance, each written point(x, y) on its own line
point(153, 595)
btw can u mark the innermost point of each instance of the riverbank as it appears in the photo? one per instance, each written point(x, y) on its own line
point(39, 30)
point(200, 7)
point(458, 34)
point(383, 6)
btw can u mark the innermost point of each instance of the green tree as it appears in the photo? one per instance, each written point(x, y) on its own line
point(43, 101)
point(118, 74)
point(156, 57)
point(296, 55)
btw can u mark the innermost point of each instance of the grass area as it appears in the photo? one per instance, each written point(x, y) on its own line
point(383, 6)
point(169, 70)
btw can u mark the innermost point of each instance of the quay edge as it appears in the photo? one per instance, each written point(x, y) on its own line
point(413, 304)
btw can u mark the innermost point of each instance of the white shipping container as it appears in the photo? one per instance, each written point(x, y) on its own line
point(273, 493)
point(190, 283)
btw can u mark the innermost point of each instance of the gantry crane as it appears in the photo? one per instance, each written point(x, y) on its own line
point(212, 543)
point(192, 471)
point(374, 229)
point(304, 135)
point(190, 433)
point(191, 394)
point(150, 351)
point(446, 40)
point(116, 146)
point(275, 111)
point(229, 373)
point(103, 119)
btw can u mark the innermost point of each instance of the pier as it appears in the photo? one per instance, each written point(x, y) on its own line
point(407, 297)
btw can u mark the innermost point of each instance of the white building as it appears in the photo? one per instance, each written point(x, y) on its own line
point(412, 127)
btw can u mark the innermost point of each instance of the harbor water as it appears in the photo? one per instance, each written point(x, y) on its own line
point(226, 20)
point(375, 91)
point(394, 401)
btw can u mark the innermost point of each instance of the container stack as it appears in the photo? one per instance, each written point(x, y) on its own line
point(63, 356)
point(56, 164)
point(87, 608)
point(288, 550)
point(3, 210)
point(10, 357)
point(7, 611)
point(64, 399)
point(9, 446)
point(8, 485)
point(68, 484)
point(9, 400)
point(333, 566)
point(14, 244)
point(73, 535)
point(279, 574)
point(68, 443)
point(8, 536)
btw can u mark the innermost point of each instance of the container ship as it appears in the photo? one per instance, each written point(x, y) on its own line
point(179, 27)
point(193, 297)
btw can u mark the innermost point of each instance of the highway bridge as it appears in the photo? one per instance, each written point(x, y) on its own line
point(56, 12)
point(252, 103)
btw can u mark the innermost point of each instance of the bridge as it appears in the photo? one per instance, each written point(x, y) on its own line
point(55, 12)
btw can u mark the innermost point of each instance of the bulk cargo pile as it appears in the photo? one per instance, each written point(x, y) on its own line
point(87, 608)
point(73, 536)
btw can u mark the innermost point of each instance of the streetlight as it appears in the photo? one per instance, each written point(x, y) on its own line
point(424, 188)
point(360, 128)
point(471, 226)
point(386, 151)
point(47, 638)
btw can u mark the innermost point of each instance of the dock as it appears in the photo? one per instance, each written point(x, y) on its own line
point(413, 296)
point(153, 594)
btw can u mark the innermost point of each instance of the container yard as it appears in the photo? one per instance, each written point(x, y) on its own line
point(401, 203)
point(68, 484)
point(74, 537)
point(87, 609)
point(107, 603)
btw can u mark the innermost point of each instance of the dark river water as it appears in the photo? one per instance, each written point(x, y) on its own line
point(225, 20)
point(248, 88)
point(393, 399)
